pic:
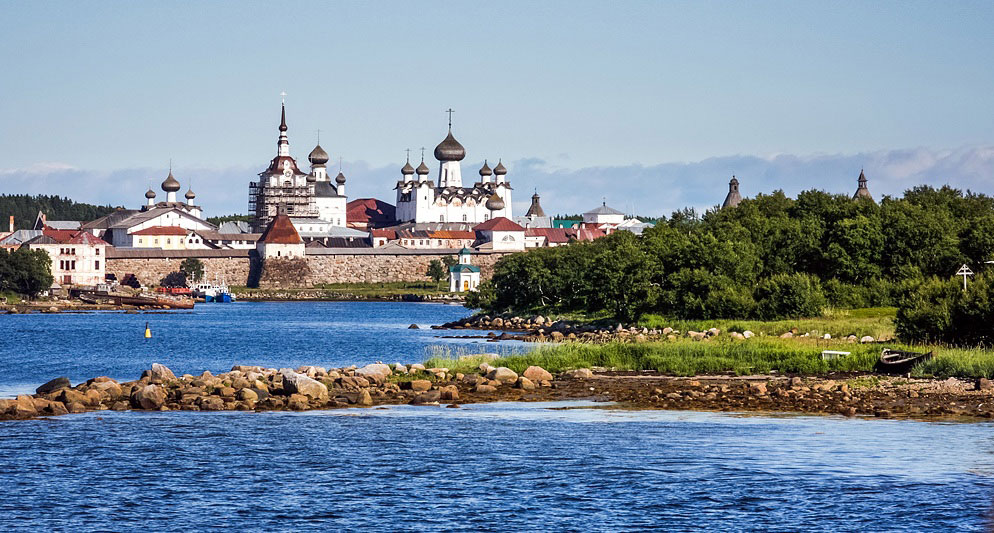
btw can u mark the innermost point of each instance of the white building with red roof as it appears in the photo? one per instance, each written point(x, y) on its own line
point(280, 239)
point(500, 234)
point(78, 257)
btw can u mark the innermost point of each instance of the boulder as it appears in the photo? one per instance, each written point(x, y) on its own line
point(364, 399)
point(420, 385)
point(54, 385)
point(984, 384)
point(377, 372)
point(108, 389)
point(400, 369)
point(581, 373)
point(866, 339)
point(485, 389)
point(413, 326)
point(119, 406)
point(76, 408)
point(758, 389)
point(431, 396)
point(57, 408)
point(147, 397)
point(248, 395)
point(24, 406)
point(298, 402)
point(449, 393)
point(294, 383)
point(503, 374)
point(537, 373)
point(524, 383)
point(748, 334)
point(160, 374)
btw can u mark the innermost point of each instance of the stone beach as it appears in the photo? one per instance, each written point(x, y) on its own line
point(253, 388)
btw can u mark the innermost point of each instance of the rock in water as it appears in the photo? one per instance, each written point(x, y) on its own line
point(160, 373)
point(537, 373)
point(54, 385)
point(413, 326)
point(294, 383)
point(147, 397)
point(364, 398)
point(503, 374)
point(378, 372)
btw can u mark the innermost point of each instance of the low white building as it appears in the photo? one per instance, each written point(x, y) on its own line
point(500, 234)
point(603, 215)
point(463, 276)
point(78, 257)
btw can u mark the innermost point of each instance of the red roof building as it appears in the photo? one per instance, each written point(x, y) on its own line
point(162, 230)
point(369, 213)
point(281, 231)
point(498, 224)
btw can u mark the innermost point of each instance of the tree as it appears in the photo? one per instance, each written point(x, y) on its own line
point(25, 271)
point(193, 268)
point(436, 271)
point(174, 279)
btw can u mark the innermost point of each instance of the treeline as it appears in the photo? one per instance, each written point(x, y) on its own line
point(771, 257)
point(217, 221)
point(25, 209)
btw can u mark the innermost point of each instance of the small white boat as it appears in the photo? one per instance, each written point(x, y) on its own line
point(213, 292)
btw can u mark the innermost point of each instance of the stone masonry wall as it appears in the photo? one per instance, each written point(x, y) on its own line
point(360, 268)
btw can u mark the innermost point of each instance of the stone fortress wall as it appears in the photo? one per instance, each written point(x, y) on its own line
point(236, 267)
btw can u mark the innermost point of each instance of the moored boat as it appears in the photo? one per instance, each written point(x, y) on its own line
point(213, 292)
point(900, 361)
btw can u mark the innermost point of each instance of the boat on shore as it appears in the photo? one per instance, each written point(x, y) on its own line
point(213, 292)
point(900, 361)
point(172, 302)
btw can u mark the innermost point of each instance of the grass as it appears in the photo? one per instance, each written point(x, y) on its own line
point(12, 297)
point(759, 355)
point(875, 322)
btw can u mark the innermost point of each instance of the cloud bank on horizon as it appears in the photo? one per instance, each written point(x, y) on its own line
point(650, 190)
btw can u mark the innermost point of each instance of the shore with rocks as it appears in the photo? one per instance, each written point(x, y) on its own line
point(253, 388)
point(541, 329)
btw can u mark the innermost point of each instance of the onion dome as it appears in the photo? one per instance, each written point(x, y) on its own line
point(407, 169)
point(499, 169)
point(318, 156)
point(449, 149)
point(190, 194)
point(340, 179)
point(150, 194)
point(423, 169)
point(485, 170)
point(170, 184)
point(495, 203)
point(283, 118)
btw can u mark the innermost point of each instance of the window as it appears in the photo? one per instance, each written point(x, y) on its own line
point(96, 265)
point(441, 218)
point(464, 217)
point(139, 240)
point(72, 265)
point(169, 241)
point(96, 251)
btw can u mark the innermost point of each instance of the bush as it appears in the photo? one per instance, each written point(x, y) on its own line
point(24, 271)
point(789, 296)
point(940, 311)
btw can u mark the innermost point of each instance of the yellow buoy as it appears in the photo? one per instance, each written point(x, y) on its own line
point(148, 332)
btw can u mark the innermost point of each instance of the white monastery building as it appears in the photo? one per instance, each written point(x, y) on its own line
point(420, 200)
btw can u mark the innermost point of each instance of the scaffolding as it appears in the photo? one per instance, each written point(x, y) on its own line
point(265, 201)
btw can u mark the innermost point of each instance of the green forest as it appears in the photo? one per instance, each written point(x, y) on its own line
point(25, 209)
point(772, 257)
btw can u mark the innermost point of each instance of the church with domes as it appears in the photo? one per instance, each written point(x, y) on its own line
point(421, 199)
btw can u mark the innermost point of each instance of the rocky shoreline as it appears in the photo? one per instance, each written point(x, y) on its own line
point(253, 388)
point(318, 295)
point(541, 329)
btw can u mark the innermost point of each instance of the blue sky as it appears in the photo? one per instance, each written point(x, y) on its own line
point(652, 105)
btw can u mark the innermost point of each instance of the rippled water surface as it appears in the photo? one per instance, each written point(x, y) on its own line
point(492, 467)
point(38, 347)
point(497, 467)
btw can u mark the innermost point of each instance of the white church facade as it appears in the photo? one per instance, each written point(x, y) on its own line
point(420, 199)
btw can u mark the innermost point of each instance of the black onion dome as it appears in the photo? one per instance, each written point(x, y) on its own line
point(423, 169)
point(170, 184)
point(407, 169)
point(499, 169)
point(190, 194)
point(449, 149)
point(318, 156)
point(495, 203)
point(340, 179)
point(485, 170)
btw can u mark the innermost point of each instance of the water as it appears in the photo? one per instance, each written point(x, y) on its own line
point(36, 348)
point(483, 467)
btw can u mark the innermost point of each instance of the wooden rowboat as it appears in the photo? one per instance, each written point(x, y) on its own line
point(900, 361)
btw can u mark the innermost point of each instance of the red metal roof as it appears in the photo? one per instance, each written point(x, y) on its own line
point(498, 224)
point(369, 211)
point(389, 234)
point(162, 230)
point(553, 235)
point(281, 231)
point(85, 237)
point(451, 234)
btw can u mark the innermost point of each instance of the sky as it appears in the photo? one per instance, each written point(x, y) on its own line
point(649, 106)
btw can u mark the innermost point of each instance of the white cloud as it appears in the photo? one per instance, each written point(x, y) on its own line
point(650, 190)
